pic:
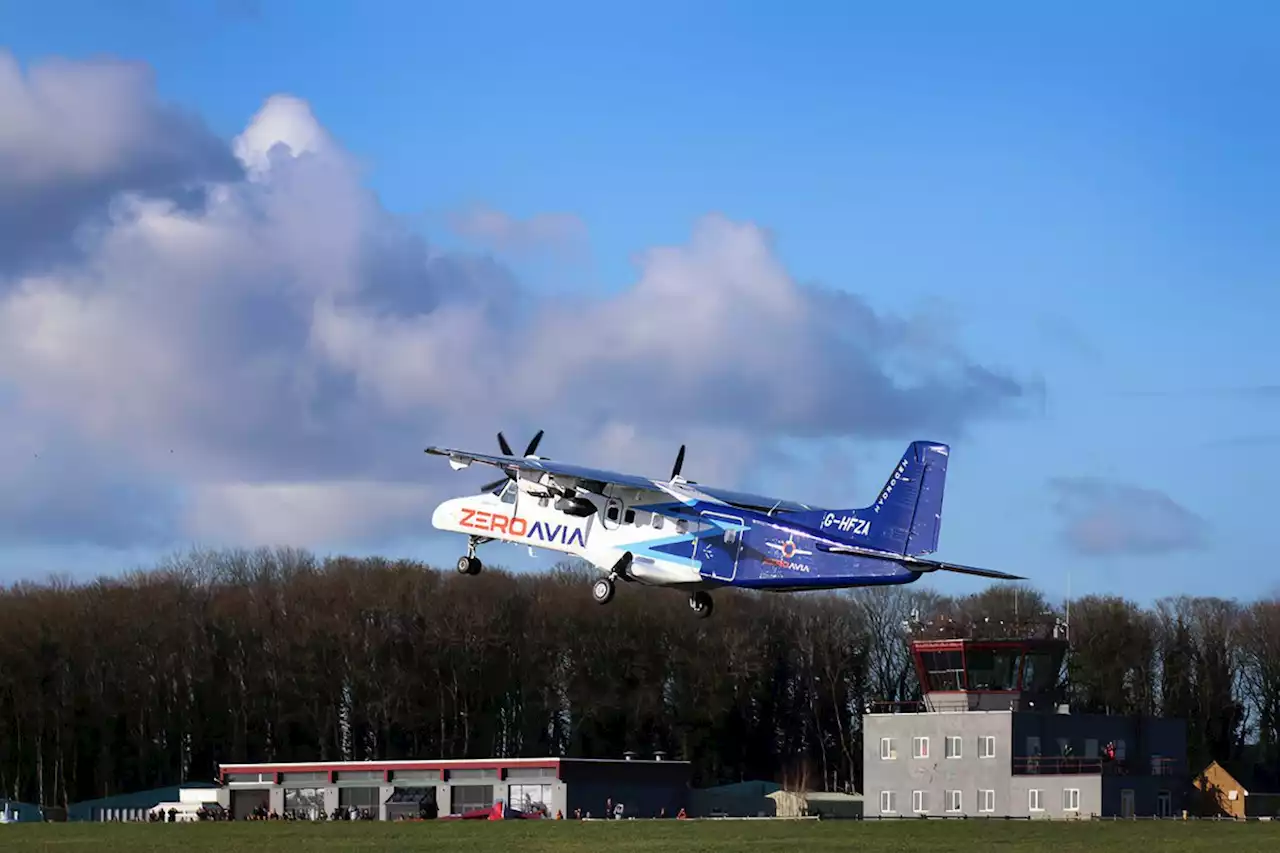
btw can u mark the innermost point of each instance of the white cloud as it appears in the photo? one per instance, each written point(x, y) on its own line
point(268, 342)
point(503, 232)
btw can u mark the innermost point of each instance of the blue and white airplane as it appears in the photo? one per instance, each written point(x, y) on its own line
point(678, 533)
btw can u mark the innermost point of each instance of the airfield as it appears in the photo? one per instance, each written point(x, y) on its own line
point(654, 836)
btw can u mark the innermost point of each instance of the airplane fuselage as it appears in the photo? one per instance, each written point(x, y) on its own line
point(681, 534)
point(713, 545)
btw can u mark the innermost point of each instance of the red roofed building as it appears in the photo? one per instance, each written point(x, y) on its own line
point(398, 790)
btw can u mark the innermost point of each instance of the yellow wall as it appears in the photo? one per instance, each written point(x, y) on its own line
point(1215, 786)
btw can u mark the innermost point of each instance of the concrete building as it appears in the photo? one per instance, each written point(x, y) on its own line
point(390, 790)
point(992, 738)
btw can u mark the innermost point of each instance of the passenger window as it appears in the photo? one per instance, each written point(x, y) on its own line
point(657, 521)
point(630, 517)
point(612, 512)
point(542, 502)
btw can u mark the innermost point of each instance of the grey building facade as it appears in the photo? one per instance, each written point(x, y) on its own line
point(960, 754)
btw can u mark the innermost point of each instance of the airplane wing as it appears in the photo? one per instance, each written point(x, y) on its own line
point(920, 564)
point(595, 479)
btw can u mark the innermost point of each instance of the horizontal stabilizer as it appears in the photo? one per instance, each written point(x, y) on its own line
point(918, 564)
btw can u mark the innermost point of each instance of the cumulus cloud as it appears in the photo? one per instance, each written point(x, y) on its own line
point(1104, 518)
point(240, 334)
point(503, 232)
point(75, 134)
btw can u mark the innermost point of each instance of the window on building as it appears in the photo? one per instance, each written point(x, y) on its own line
point(919, 801)
point(530, 798)
point(987, 800)
point(888, 749)
point(993, 669)
point(1091, 747)
point(359, 798)
point(954, 746)
point(888, 802)
point(919, 747)
point(467, 798)
point(1164, 804)
point(1157, 764)
point(305, 803)
point(987, 746)
point(953, 801)
point(1064, 746)
point(1120, 752)
point(1071, 799)
point(1035, 800)
point(944, 669)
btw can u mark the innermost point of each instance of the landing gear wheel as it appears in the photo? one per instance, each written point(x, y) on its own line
point(700, 604)
point(602, 591)
point(469, 566)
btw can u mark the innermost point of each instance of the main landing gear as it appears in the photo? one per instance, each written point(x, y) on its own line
point(701, 605)
point(602, 589)
point(470, 564)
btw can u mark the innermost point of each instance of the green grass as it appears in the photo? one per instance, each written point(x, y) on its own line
point(650, 837)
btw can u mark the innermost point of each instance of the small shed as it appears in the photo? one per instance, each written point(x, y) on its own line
point(1239, 790)
point(12, 811)
point(826, 804)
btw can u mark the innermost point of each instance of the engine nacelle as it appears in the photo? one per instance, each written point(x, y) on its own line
point(577, 506)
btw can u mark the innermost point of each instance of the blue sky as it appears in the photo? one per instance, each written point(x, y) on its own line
point(1083, 200)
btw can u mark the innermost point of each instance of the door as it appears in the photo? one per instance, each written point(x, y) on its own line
point(718, 548)
point(1126, 802)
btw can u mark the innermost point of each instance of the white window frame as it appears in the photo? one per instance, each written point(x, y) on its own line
point(888, 802)
point(954, 746)
point(888, 749)
point(1071, 799)
point(954, 801)
point(920, 802)
point(987, 800)
point(986, 746)
point(920, 747)
point(1035, 800)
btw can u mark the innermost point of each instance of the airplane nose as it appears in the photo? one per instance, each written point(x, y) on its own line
point(440, 515)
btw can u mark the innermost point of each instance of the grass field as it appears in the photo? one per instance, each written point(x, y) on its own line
point(649, 837)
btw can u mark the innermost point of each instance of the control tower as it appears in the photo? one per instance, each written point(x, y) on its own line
point(993, 736)
point(991, 675)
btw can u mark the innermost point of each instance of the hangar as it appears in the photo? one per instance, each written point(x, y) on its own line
point(396, 790)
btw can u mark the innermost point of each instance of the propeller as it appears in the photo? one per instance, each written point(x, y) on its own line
point(675, 470)
point(506, 451)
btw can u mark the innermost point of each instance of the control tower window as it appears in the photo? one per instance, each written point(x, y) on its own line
point(1039, 675)
point(945, 669)
point(993, 669)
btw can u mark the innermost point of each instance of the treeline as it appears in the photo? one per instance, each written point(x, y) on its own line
point(155, 678)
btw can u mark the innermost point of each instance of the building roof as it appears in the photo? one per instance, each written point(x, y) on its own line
point(434, 764)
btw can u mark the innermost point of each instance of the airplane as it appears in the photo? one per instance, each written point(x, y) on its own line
point(680, 534)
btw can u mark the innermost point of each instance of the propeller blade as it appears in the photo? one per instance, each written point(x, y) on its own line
point(533, 445)
point(489, 487)
point(502, 444)
point(675, 471)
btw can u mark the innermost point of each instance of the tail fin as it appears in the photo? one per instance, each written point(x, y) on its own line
point(906, 517)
